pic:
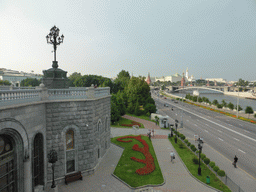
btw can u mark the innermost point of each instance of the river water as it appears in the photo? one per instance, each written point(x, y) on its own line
point(219, 96)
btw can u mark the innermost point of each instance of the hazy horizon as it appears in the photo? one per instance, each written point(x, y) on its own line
point(213, 38)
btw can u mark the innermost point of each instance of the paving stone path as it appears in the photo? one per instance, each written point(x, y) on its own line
point(147, 124)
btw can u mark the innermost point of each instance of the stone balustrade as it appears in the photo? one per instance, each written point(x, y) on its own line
point(12, 97)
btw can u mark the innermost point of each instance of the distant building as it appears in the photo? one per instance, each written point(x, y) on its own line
point(218, 80)
point(15, 77)
point(173, 78)
point(148, 80)
point(189, 78)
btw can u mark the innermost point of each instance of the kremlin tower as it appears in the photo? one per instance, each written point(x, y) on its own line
point(148, 80)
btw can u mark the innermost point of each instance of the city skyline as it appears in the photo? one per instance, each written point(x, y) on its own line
point(214, 39)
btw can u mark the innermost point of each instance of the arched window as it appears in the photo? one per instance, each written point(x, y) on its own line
point(70, 155)
point(70, 140)
point(99, 126)
point(38, 160)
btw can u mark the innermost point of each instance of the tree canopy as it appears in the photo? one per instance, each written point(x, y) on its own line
point(30, 82)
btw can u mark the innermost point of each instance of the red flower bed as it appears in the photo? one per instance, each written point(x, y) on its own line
point(130, 125)
point(253, 121)
point(148, 161)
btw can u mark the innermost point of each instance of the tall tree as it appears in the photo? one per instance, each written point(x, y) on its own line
point(249, 110)
point(30, 82)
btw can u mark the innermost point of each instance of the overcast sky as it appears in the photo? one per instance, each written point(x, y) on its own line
point(213, 38)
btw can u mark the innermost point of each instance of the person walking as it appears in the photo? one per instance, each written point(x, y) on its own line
point(235, 161)
point(172, 156)
point(153, 132)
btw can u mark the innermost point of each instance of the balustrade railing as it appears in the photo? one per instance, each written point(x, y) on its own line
point(10, 97)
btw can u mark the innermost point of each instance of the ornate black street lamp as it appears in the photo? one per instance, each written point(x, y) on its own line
point(200, 147)
point(171, 128)
point(176, 125)
point(52, 158)
point(53, 38)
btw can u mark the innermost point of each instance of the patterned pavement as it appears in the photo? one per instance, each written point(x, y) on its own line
point(177, 178)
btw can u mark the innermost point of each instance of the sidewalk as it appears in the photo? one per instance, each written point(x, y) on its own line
point(147, 124)
point(240, 177)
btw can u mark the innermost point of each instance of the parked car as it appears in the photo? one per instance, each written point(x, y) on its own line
point(175, 101)
point(164, 97)
point(166, 105)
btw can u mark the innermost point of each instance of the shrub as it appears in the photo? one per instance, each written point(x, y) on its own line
point(221, 173)
point(202, 156)
point(192, 146)
point(197, 151)
point(206, 161)
point(194, 149)
point(186, 141)
point(195, 160)
point(216, 168)
point(182, 137)
point(219, 106)
point(189, 144)
point(212, 164)
point(255, 115)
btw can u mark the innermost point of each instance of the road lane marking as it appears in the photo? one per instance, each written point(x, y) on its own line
point(236, 139)
point(247, 131)
point(207, 124)
point(187, 120)
point(195, 124)
point(220, 139)
point(220, 125)
point(241, 150)
point(206, 131)
point(219, 131)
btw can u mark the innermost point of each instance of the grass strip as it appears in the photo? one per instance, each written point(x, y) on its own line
point(142, 117)
point(126, 167)
point(124, 121)
point(187, 155)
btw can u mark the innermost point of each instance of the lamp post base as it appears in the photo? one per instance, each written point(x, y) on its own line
point(199, 171)
point(175, 139)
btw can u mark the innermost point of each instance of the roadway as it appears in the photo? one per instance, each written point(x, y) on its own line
point(224, 134)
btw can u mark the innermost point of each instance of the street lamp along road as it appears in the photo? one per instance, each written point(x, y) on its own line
point(53, 38)
point(176, 125)
point(200, 147)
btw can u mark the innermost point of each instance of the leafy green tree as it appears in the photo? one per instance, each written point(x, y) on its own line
point(230, 105)
point(115, 114)
point(163, 87)
point(137, 110)
point(239, 108)
point(30, 82)
point(200, 100)
point(215, 102)
point(224, 104)
point(150, 108)
point(4, 82)
point(249, 110)
point(194, 98)
point(73, 77)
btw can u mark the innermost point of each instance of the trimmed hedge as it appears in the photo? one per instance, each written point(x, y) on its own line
point(192, 146)
point(216, 168)
point(189, 144)
point(193, 149)
point(195, 160)
point(221, 173)
point(206, 161)
point(212, 164)
point(186, 141)
point(197, 151)
point(202, 156)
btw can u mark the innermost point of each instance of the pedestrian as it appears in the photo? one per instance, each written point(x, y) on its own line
point(153, 132)
point(235, 161)
point(149, 135)
point(172, 156)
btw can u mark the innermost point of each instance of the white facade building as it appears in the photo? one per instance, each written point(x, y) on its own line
point(220, 80)
point(15, 77)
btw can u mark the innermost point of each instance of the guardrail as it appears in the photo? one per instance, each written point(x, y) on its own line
point(21, 96)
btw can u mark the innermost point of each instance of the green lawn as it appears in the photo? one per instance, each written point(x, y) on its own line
point(126, 167)
point(187, 155)
point(124, 121)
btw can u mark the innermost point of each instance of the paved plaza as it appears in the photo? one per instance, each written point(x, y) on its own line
point(177, 177)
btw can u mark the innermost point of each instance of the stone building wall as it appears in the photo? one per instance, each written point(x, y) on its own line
point(53, 119)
